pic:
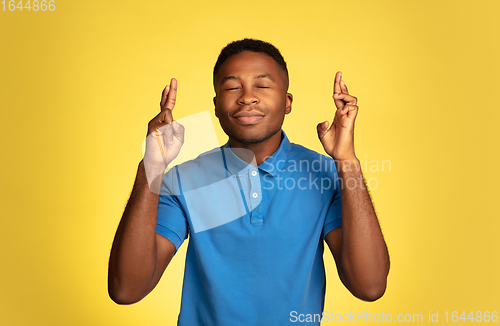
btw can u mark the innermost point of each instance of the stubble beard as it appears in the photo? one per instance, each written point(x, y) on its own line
point(255, 140)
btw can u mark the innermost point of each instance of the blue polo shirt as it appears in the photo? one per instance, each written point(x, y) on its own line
point(255, 255)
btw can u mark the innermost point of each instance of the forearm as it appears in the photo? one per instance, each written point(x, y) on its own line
point(364, 256)
point(133, 257)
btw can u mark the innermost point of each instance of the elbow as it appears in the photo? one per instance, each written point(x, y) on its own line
point(122, 299)
point(371, 296)
point(121, 295)
point(370, 286)
point(371, 293)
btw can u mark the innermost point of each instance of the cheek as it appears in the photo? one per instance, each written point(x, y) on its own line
point(279, 104)
point(225, 103)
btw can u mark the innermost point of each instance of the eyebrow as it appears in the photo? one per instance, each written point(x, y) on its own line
point(255, 77)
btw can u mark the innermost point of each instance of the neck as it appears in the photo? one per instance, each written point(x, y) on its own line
point(261, 151)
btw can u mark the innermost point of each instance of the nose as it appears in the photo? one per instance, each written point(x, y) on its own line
point(248, 97)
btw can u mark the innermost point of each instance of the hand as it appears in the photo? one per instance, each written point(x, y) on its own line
point(164, 138)
point(338, 140)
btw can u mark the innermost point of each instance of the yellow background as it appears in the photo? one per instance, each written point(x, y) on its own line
point(78, 86)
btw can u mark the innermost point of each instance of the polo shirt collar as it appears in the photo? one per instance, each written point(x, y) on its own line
point(272, 165)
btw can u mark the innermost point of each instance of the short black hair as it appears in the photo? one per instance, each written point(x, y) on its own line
point(252, 45)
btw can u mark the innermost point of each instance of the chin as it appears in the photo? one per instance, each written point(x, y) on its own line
point(251, 138)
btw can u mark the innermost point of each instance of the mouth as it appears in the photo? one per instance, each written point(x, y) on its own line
point(248, 117)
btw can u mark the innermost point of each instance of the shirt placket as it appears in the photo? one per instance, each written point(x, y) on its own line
point(255, 196)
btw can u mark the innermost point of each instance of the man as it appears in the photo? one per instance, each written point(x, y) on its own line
point(256, 256)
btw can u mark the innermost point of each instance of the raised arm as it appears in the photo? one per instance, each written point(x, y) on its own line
point(139, 255)
point(358, 246)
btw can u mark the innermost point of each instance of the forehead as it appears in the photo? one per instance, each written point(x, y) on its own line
point(248, 64)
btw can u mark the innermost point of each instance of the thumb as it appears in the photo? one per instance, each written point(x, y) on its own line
point(166, 116)
point(178, 130)
point(322, 129)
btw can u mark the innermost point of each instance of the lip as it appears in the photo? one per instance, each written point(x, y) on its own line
point(248, 117)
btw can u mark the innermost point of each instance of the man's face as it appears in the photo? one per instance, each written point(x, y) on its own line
point(251, 99)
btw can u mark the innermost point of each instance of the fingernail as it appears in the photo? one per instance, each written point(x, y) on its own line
point(342, 82)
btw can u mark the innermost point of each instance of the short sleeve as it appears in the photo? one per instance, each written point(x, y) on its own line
point(333, 218)
point(171, 219)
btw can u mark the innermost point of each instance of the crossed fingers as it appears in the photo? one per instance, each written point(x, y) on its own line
point(343, 101)
point(169, 95)
point(167, 102)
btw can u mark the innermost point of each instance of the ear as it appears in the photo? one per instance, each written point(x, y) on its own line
point(215, 106)
point(288, 104)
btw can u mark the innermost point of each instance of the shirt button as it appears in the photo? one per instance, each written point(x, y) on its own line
point(255, 195)
point(254, 173)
